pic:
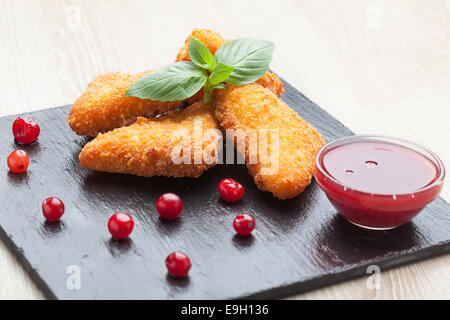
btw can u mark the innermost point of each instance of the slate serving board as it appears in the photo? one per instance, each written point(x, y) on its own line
point(298, 244)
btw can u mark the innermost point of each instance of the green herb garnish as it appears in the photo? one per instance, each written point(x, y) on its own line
point(237, 62)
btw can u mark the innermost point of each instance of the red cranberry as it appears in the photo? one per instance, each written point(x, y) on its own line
point(120, 225)
point(18, 161)
point(25, 130)
point(169, 206)
point(178, 264)
point(53, 209)
point(231, 190)
point(244, 224)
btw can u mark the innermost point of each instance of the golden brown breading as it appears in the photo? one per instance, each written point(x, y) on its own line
point(182, 143)
point(213, 41)
point(251, 108)
point(271, 82)
point(103, 106)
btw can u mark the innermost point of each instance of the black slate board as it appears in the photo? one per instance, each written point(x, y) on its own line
point(298, 244)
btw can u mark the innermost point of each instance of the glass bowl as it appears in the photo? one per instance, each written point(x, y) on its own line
point(379, 210)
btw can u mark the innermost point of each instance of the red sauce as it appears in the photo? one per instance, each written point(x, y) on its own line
point(378, 184)
point(381, 168)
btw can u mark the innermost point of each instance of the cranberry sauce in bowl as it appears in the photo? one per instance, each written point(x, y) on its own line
point(378, 182)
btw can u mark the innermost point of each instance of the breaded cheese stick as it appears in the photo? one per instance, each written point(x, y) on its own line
point(104, 107)
point(213, 41)
point(183, 143)
point(291, 143)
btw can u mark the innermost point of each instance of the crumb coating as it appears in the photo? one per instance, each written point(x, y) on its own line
point(255, 107)
point(146, 147)
point(104, 107)
point(212, 40)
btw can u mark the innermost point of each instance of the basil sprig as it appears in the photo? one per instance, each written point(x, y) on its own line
point(200, 55)
point(249, 57)
point(170, 83)
point(237, 62)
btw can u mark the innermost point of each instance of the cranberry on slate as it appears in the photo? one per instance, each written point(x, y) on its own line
point(244, 224)
point(25, 130)
point(120, 225)
point(178, 264)
point(231, 190)
point(169, 206)
point(53, 209)
point(18, 161)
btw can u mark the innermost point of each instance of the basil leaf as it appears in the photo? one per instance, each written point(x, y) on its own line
point(250, 58)
point(209, 87)
point(177, 81)
point(220, 86)
point(220, 73)
point(200, 54)
point(207, 90)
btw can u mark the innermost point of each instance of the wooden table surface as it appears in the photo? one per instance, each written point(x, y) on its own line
point(379, 66)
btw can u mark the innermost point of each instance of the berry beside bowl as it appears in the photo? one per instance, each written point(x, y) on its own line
point(378, 182)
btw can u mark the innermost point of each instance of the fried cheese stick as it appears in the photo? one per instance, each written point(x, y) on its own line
point(287, 167)
point(183, 143)
point(104, 107)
